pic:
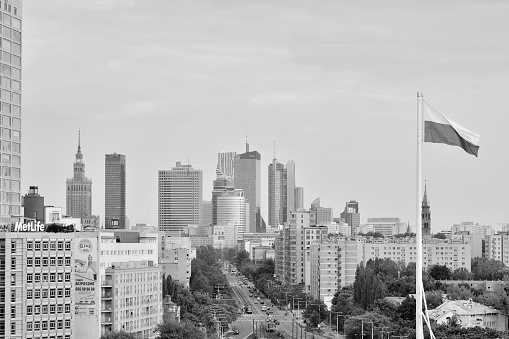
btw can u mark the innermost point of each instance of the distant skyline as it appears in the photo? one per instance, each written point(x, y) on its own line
point(332, 83)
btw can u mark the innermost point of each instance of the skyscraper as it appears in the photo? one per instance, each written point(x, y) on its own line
point(10, 190)
point(277, 193)
point(248, 178)
point(426, 216)
point(299, 198)
point(180, 196)
point(352, 216)
point(221, 186)
point(225, 164)
point(290, 188)
point(79, 189)
point(114, 199)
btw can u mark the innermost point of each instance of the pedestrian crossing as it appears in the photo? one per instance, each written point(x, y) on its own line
point(282, 321)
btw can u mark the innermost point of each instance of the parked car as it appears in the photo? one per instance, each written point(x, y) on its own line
point(235, 331)
point(277, 322)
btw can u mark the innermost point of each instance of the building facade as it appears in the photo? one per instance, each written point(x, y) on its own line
point(277, 193)
point(10, 190)
point(248, 178)
point(79, 189)
point(33, 205)
point(225, 164)
point(180, 197)
point(352, 216)
point(115, 191)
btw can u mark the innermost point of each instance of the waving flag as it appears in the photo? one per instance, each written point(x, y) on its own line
point(439, 129)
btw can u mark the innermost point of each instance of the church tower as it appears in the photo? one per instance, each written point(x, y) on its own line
point(426, 216)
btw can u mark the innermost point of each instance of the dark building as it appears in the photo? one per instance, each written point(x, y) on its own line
point(33, 205)
point(115, 191)
point(352, 216)
point(248, 178)
point(426, 216)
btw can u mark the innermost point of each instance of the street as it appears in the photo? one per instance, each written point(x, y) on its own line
point(246, 323)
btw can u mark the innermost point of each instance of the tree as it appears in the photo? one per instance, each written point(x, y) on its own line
point(174, 330)
point(118, 335)
point(439, 236)
point(487, 269)
point(461, 274)
point(440, 272)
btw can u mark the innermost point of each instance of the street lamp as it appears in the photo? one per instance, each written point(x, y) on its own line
point(298, 304)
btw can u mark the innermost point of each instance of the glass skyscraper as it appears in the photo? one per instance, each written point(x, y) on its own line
point(248, 178)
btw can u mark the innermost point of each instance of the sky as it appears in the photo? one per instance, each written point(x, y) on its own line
point(332, 83)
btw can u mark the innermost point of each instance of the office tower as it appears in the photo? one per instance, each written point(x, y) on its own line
point(231, 216)
point(352, 216)
point(248, 178)
point(10, 190)
point(114, 199)
point(299, 198)
point(426, 216)
point(180, 196)
point(206, 213)
point(33, 205)
point(225, 164)
point(221, 185)
point(290, 188)
point(277, 193)
point(79, 189)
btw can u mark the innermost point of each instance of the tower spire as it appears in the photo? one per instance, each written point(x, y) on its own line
point(425, 197)
point(247, 145)
point(79, 140)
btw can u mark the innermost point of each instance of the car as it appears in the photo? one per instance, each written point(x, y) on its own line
point(251, 295)
point(262, 302)
point(277, 322)
point(235, 331)
point(268, 308)
point(256, 302)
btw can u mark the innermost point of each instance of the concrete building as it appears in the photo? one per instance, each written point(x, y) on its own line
point(497, 247)
point(472, 228)
point(386, 226)
point(470, 314)
point(201, 240)
point(79, 189)
point(10, 190)
point(131, 298)
point(33, 205)
point(180, 197)
point(290, 189)
point(248, 178)
point(454, 255)
point(175, 258)
point(206, 213)
point(115, 191)
point(229, 207)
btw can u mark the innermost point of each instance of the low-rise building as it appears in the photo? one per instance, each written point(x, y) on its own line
point(469, 314)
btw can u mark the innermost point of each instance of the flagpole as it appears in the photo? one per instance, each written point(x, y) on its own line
point(418, 225)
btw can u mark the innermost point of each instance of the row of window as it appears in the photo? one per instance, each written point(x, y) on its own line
point(53, 309)
point(49, 325)
point(45, 245)
point(38, 277)
point(13, 110)
point(51, 262)
point(52, 293)
point(7, 146)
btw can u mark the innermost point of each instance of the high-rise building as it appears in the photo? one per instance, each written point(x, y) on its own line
point(277, 193)
point(248, 178)
point(79, 189)
point(180, 196)
point(10, 189)
point(352, 216)
point(221, 185)
point(426, 216)
point(33, 205)
point(290, 188)
point(225, 164)
point(114, 199)
point(299, 198)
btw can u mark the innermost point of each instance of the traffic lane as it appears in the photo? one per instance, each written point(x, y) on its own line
point(245, 329)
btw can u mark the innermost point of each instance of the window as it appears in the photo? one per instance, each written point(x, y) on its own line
point(30, 262)
point(29, 278)
point(29, 326)
point(67, 292)
point(52, 293)
point(67, 323)
point(67, 308)
point(60, 261)
point(30, 245)
point(52, 262)
point(37, 294)
point(37, 277)
point(45, 245)
point(60, 292)
point(44, 325)
point(29, 310)
point(44, 277)
point(52, 324)
point(60, 324)
point(68, 277)
point(52, 277)
point(67, 261)
point(44, 293)
point(29, 294)
point(52, 309)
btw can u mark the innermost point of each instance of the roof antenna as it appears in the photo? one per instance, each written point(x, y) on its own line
point(79, 140)
point(274, 149)
point(247, 145)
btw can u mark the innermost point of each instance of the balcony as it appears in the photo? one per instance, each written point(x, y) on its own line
point(106, 295)
point(107, 283)
point(106, 321)
point(106, 309)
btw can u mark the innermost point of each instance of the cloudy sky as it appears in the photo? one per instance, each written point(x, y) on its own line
point(333, 83)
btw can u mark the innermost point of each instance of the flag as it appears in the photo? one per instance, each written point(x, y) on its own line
point(439, 129)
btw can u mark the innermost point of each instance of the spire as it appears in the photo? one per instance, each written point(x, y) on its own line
point(247, 145)
point(425, 198)
point(79, 141)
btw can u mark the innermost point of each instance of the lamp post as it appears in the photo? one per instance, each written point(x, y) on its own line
point(298, 304)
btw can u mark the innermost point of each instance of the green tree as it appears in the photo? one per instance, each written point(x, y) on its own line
point(439, 236)
point(461, 274)
point(118, 335)
point(174, 330)
point(440, 272)
point(487, 269)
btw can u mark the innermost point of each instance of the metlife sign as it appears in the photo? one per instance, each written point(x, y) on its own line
point(30, 227)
